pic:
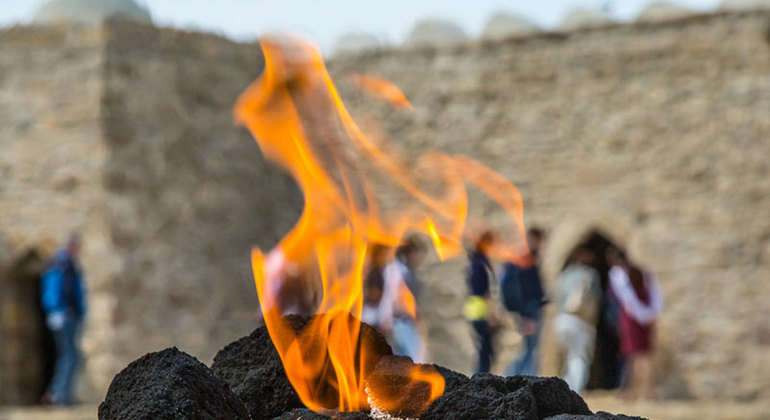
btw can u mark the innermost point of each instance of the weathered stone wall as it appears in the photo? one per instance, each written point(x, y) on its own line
point(52, 158)
point(656, 135)
point(187, 192)
point(126, 133)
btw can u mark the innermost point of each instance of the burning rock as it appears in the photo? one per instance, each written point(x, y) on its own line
point(252, 368)
point(306, 414)
point(174, 385)
point(169, 384)
point(395, 387)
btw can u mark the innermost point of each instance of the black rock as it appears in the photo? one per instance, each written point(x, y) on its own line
point(252, 368)
point(452, 379)
point(601, 415)
point(392, 389)
point(552, 395)
point(169, 384)
point(519, 397)
point(306, 414)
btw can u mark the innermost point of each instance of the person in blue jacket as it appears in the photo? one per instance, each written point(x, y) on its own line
point(479, 309)
point(64, 303)
point(522, 293)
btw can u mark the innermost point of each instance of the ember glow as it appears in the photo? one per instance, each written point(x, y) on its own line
point(356, 195)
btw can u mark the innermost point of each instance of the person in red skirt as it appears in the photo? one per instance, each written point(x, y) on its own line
point(641, 302)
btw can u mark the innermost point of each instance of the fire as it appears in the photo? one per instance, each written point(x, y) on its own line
point(356, 195)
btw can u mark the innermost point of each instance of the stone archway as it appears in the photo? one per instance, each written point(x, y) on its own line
point(598, 230)
point(27, 353)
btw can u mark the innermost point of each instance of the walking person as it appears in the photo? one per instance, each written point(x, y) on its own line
point(641, 302)
point(479, 309)
point(374, 285)
point(63, 297)
point(399, 312)
point(578, 297)
point(522, 294)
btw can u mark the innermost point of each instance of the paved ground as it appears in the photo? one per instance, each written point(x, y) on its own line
point(663, 410)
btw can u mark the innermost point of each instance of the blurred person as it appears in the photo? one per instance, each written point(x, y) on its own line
point(398, 313)
point(641, 302)
point(374, 284)
point(522, 294)
point(63, 298)
point(479, 309)
point(578, 297)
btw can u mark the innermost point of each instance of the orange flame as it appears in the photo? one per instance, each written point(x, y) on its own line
point(355, 195)
point(381, 88)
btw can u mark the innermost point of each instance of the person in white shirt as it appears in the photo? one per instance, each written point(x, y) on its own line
point(398, 316)
point(578, 296)
point(641, 302)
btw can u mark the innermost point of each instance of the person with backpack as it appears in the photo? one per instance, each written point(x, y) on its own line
point(479, 309)
point(521, 291)
point(63, 298)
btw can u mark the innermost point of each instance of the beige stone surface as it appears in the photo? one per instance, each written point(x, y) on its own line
point(654, 134)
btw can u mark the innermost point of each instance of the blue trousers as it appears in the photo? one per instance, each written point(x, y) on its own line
point(407, 340)
point(483, 345)
point(526, 363)
point(67, 361)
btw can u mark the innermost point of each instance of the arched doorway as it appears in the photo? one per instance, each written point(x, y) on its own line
point(27, 354)
point(606, 364)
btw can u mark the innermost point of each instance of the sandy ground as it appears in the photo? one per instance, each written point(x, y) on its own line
point(663, 410)
point(680, 410)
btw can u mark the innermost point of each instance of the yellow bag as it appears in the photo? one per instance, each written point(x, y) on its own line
point(475, 308)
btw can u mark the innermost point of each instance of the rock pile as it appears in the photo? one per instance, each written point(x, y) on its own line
point(247, 380)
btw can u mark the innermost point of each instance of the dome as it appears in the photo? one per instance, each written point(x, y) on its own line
point(744, 4)
point(503, 25)
point(353, 42)
point(585, 18)
point(435, 32)
point(89, 11)
point(660, 11)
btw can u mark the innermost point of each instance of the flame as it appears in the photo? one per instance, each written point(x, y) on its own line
point(382, 88)
point(356, 195)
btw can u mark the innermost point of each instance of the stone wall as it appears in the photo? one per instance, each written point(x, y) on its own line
point(51, 163)
point(126, 133)
point(187, 192)
point(655, 134)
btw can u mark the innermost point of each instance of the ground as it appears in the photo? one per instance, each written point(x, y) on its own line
point(668, 410)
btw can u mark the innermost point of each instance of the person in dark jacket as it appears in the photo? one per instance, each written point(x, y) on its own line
point(522, 294)
point(479, 309)
point(64, 303)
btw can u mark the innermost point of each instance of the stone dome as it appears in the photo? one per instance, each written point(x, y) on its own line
point(89, 11)
point(744, 4)
point(353, 42)
point(435, 32)
point(504, 25)
point(585, 18)
point(660, 11)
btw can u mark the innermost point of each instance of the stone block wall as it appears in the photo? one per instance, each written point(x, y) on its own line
point(656, 135)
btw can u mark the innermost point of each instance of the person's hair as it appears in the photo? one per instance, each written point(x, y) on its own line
point(72, 240)
point(614, 252)
point(410, 244)
point(582, 251)
point(486, 237)
point(535, 232)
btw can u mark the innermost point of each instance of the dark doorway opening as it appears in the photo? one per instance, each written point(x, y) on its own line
point(606, 365)
point(28, 354)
